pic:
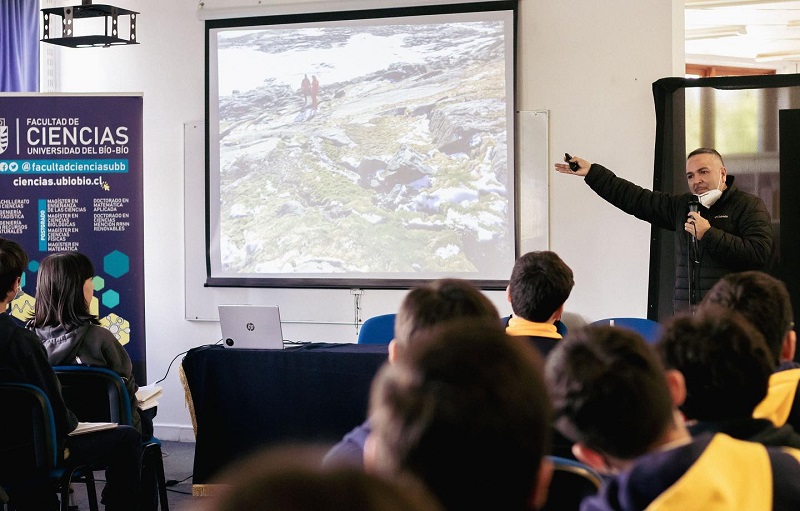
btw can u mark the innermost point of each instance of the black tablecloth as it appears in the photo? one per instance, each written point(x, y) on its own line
point(245, 399)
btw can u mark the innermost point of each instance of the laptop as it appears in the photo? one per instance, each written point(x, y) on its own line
point(251, 326)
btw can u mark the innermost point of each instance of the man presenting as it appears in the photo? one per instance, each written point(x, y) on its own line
point(719, 229)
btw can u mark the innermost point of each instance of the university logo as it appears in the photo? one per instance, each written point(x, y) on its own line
point(3, 136)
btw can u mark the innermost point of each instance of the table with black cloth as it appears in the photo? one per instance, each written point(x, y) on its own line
point(245, 399)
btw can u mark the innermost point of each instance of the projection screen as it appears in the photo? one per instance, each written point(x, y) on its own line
point(362, 148)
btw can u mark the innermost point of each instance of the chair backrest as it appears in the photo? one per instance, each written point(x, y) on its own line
point(95, 394)
point(28, 431)
point(650, 330)
point(377, 330)
point(572, 482)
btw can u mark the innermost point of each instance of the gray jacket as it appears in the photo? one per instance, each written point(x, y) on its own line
point(91, 345)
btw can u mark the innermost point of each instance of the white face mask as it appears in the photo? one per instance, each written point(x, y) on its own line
point(708, 198)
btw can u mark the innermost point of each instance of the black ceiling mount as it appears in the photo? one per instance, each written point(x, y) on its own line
point(70, 15)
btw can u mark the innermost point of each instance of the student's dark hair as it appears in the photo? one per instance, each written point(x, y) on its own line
point(441, 300)
point(540, 283)
point(13, 261)
point(466, 412)
point(706, 150)
point(59, 291)
point(609, 391)
point(291, 478)
point(724, 360)
point(762, 299)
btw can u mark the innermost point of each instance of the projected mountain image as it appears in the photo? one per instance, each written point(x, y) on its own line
point(364, 149)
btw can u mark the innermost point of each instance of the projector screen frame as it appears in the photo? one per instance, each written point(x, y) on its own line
point(330, 280)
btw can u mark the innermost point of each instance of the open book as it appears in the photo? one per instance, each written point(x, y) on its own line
point(89, 427)
point(148, 396)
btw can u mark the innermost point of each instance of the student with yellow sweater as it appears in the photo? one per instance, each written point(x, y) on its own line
point(764, 301)
point(540, 284)
point(614, 399)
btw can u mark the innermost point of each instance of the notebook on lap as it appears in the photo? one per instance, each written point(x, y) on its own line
point(251, 326)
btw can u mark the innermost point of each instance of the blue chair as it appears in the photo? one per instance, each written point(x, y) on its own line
point(571, 483)
point(29, 450)
point(377, 330)
point(97, 394)
point(650, 330)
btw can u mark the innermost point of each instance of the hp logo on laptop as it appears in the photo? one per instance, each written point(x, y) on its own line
point(251, 327)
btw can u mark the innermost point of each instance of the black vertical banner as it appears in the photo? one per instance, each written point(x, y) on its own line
point(71, 180)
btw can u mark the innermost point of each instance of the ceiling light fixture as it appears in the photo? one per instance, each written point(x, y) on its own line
point(702, 4)
point(69, 15)
point(792, 55)
point(715, 32)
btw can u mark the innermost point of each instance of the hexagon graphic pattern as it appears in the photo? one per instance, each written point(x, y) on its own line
point(118, 326)
point(22, 307)
point(110, 298)
point(94, 306)
point(116, 264)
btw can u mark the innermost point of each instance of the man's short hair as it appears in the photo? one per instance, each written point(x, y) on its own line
point(467, 412)
point(540, 283)
point(441, 300)
point(724, 360)
point(609, 391)
point(706, 150)
point(13, 261)
point(762, 299)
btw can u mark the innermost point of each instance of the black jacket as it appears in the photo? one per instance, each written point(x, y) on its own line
point(740, 237)
point(761, 431)
point(23, 360)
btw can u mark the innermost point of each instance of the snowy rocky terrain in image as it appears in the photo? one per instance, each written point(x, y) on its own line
point(401, 166)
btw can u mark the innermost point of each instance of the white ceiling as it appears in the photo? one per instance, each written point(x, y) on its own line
point(771, 27)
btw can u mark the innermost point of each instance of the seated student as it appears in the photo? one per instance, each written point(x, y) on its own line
point(71, 334)
point(765, 302)
point(23, 360)
point(613, 398)
point(290, 478)
point(726, 366)
point(423, 307)
point(466, 412)
point(540, 284)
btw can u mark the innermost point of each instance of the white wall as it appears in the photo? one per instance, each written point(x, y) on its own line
point(590, 63)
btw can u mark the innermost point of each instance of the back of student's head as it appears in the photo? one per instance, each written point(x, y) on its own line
point(13, 261)
point(762, 299)
point(466, 412)
point(441, 300)
point(609, 391)
point(59, 290)
point(540, 283)
point(724, 361)
point(290, 478)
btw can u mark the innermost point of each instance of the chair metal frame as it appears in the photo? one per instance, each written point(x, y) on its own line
point(572, 480)
point(49, 466)
point(118, 410)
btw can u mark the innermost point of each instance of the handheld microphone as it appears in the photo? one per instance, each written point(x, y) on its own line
point(694, 206)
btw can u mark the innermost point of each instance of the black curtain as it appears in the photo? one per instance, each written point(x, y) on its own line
point(669, 176)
